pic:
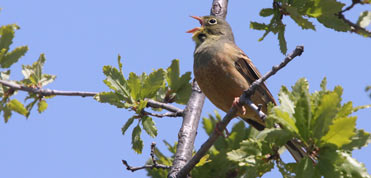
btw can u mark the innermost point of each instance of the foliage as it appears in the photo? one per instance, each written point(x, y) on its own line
point(133, 93)
point(33, 77)
point(323, 125)
point(327, 12)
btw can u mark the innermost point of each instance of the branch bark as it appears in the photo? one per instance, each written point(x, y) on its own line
point(244, 98)
point(188, 130)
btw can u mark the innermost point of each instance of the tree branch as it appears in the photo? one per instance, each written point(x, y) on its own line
point(188, 130)
point(154, 165)
point(168, 114)
point(354, 27)
point(45, 92)
point(244, 98)
point(219, 8)
point(49, 92)
point(169, 107)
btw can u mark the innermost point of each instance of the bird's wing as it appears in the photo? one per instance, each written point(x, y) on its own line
point(247, 69)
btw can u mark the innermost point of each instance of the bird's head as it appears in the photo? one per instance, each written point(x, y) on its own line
point(212, 28)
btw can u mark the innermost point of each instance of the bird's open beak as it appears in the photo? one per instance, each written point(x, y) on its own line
point(197, 28)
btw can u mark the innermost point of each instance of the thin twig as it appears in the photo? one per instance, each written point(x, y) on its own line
point(354, 27)
point(46, 92)
point(232, 113)
point(169, 107)
point(154, 165)
point(49, 92)
point(168, 114)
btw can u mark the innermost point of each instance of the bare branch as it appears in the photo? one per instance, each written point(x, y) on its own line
point(154, 165)
point(219, 8)
point(244, 98)
point(46, 92)
point(49, 92)
point(169, 107)
point(168, 114)
point(188, 131)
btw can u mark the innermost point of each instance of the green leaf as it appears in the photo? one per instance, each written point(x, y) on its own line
point(258, 26)
point(265, 12)
point(284, 119)
point(351, 168)
point(135, 85)
point(324, 7)
point(173, 74)
point(277, 136)
point(236, 155)
point(183, 94)
point(127, 125)
point(110, 98)
point(305, 169)
point(42, 105)
point(17, 106)
point(325, 114)
point(13, 56)
point(332, 21)
point(116, 81)
point(303, 115)
point(119, 62)
point(46, 79)
point(153, 83)
point(139, 107)
point(136, 141)
point(324, 84)
point(364, 19)
point(361, 107)
point(286, 104)
point(180, 86)
point(7, 35)
point(7, 114)
point(149, 126)
point(340, 131)
point(359, 140)
point(203, 160)
point(302, 22)
point(282, 40)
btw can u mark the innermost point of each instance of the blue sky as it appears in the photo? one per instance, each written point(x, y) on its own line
point(79, 137)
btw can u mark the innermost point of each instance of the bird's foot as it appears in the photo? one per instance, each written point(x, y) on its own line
point(236, 103)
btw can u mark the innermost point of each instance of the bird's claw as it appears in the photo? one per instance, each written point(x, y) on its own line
point(236, 103)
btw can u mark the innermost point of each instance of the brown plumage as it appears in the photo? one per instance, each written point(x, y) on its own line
point(223, 71)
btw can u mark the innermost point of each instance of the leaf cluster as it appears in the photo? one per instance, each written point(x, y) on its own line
point(133, 93)
point(324, 126)
point(33, 77)
point(326, 12)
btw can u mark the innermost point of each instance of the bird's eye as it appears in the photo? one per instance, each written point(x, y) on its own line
point(212, 21)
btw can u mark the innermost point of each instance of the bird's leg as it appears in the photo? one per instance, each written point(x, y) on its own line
point(236, 103)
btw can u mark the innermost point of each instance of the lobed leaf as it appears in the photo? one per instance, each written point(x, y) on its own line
point(340, 132)
point(136, 141)
point(149, 126)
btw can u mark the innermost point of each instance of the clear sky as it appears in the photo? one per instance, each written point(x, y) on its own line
point(79, 137)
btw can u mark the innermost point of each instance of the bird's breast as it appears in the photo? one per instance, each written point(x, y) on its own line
point(218, 78)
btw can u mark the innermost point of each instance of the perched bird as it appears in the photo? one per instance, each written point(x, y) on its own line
point(223, 71)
